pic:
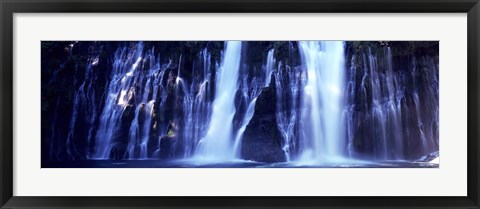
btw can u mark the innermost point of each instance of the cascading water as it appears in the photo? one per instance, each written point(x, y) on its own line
point(83, 101)
point(384, 110)
point(216, 145)
point(383, 105)
point(196, 105)
point(322, 100)
point(316, 103)
point(138, 90)
point(120, 99)
point(287, 92)
point(255, 89)
point(270, 66)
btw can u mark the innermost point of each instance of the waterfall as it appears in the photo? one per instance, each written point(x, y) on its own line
point(198, 115)
point(270, 66)
point(246, 120)
point(384, 112)
point(84, 105)
point(312, 103)
point(322, 101)
point(122, 96)
point(287, 92)
point(119, 90)
point(255, 89)
point(394, 121)
point(378, 110)
point(137, 91)
point(217, 145)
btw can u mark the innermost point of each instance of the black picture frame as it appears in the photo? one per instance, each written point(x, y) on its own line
point(9, 7)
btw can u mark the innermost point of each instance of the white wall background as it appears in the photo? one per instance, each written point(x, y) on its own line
point(448, 180)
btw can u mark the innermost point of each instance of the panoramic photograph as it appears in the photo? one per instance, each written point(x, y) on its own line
point(240, 104)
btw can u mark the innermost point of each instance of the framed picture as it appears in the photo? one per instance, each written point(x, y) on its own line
point(265, 104)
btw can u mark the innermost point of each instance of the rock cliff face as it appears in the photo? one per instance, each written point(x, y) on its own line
point(137, 100)
point(392, 100)
point(262, 140)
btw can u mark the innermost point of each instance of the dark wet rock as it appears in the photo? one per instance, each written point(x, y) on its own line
point(415, 72)
point(167, 144)
point(262, 140)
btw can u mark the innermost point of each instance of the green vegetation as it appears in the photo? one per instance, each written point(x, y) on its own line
point(170, 133)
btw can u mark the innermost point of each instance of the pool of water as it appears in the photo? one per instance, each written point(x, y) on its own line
point(234, 164)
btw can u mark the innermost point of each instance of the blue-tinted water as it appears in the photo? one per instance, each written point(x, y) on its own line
point(233, 164)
